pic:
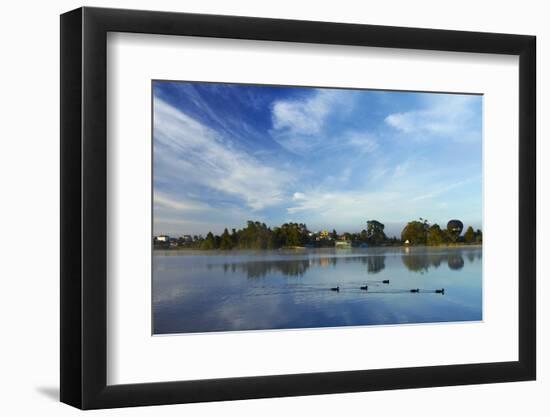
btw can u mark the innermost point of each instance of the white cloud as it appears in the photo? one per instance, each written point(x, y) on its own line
point(444, 188)
point(334, 204)
point(364, 142)
point(401, 169)
point(186, 151)
point(452, 116)
point(303, 117)
point(168, 202)
point(300, 125)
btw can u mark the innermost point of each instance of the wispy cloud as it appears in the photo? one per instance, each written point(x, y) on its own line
point(442, 189)
point(303, 125)
point(363, 141)
point(346, 211)
point(303, 117)
point(456, 117)
point(188, 152)
point(350, 203)
point(168, 202)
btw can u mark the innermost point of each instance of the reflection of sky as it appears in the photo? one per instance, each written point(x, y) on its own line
point(330, 158)
point(201, 292)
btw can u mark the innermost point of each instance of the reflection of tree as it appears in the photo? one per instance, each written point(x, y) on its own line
point(298, 267)
point(259, 269)
point(375, 264)
point(435, 260)
point(416, 263)
point(423, 261)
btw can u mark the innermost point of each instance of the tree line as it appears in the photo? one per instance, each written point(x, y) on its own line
point(421, 232)
point(257, 235)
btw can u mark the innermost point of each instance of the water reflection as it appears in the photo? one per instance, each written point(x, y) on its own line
point(203, 291)
point(455, 261)
point(288, 268)
point(422, 262)
point(298, 267)
point(413, 259)
point(375, 264)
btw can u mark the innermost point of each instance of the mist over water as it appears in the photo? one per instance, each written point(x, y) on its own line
point(205, 291)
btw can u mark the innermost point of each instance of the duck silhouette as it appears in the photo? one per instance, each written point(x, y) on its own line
point(385, 281)
point(337, 289)
point(415, 290)
point(366, 287)
point(441, 291)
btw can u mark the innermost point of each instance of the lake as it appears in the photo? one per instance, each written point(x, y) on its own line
point(207, 291)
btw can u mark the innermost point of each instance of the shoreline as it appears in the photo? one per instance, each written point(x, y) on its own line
point(303, 248)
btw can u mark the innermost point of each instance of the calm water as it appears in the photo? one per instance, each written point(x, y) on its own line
point(196, 291)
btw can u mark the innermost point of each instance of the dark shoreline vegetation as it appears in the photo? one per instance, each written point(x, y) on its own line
point(257, 235)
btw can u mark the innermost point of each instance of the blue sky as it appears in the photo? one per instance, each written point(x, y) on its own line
point(330, 158)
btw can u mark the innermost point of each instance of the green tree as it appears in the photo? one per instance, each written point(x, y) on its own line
point(226, 242)
point(234, 238)
point(334, 235)
point(292, 234)
point(209, 242)
point(415, 232)
point(479, 236)
point(435, 235)
point(469, 235)
point(255, 235)
point(375, 232)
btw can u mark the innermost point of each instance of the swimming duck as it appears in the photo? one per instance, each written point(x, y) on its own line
point(366, 287)
point(441, 291)
point(415, 290)
point(337, 289)
point(385, 281)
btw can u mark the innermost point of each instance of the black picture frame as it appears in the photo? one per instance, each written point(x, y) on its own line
point(84, 207)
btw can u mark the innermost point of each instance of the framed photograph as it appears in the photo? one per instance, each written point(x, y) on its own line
point(256, 208)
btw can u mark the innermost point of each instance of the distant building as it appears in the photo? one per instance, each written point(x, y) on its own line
point(163, 238)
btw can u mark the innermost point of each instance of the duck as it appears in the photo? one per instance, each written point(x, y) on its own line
point(415, 290)
point(385, 281)
point(366, 287)
point(337, 289)
point(441, 291)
